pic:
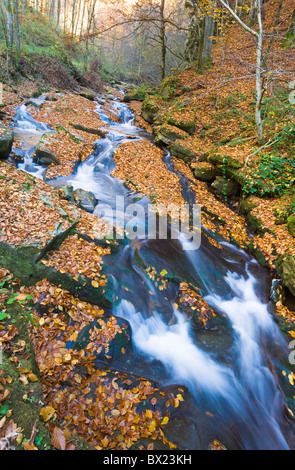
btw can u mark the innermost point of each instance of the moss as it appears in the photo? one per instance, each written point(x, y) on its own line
point(180, 151)
point(149, 109)
point(291, 224)
point(206, 173)
point(26, 400)
point(286, 269)
point(188, 127)
point(246, 205)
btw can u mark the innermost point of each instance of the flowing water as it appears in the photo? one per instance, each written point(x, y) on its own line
point(226, 369)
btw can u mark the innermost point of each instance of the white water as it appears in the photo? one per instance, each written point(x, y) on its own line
point(29, 132)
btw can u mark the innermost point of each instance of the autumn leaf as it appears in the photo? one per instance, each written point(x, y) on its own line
point(29, 446)
point(47, 412)
point(58, 439)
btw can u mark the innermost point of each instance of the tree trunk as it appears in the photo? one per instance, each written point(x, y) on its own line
point(258, 117)
point(205, 56)
point(58, 14)
point(163, 40)
point(10, 28)
point(16, 30)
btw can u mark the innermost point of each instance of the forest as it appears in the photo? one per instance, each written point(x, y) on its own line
point(147, 227)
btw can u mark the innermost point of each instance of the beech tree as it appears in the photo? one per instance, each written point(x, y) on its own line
point(201, 30)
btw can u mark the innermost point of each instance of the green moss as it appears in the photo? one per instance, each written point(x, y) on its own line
point(291, 224)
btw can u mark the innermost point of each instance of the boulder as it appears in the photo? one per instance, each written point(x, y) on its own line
point(206, 172)
point(225, 187)
point(291, 224)
point(6, 140)
point(286, 269)
point(43, 156)
point(88, 95)
point(187, 126)
point(90, 130)
point(167, 134)
point(180, 151)
point(149, 110)
point(120, 345)
point(85, 199)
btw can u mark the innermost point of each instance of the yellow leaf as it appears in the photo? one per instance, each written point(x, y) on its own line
point(105, 441)
point(164, 420)
point(47, 412)
point(33, 377)
point(149, 413)
point(163, 272)
point(95, 284)
point(152, 426)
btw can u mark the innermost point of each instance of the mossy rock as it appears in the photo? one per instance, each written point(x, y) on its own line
point(26, 399)
point(286, 269)
point(88, 95)
point(225, 187)
point(257, 254)
point(43, 156)
point(149, 110)
point(180, 151)
point(167, 134)
point(89, 130)
point(170, 88)
point(206, 172)
point(255, 223)
point(224, 161)
point(6, 140)
point(291, 224)
point(188, 127)
point(138, 94)
point(247, 205)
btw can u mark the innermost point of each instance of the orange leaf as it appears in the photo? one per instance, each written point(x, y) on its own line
point(58, 439)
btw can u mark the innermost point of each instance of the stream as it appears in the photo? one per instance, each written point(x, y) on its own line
point(234, 394)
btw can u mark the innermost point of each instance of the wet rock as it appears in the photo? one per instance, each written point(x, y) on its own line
point(90, 130)
point(85, 199)
point(66, 192)
point(120, 345)
point(277, 290)
point(43, 156)
point(6, 140)
point(286, 268)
